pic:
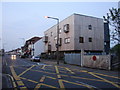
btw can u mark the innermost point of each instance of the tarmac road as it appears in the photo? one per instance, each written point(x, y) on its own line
point(46, 74)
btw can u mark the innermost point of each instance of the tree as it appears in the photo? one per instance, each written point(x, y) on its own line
point(113, 19)
point(116, 50)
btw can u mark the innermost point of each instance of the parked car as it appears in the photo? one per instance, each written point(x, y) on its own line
point(36, 58)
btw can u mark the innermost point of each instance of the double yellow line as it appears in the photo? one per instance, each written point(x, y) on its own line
point(19, 82)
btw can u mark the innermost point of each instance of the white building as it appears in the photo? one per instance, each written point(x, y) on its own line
point(38, 47)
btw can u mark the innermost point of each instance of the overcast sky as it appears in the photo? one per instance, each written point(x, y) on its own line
point(26, 19)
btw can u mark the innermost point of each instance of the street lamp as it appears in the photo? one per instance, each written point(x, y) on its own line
point(57, 45)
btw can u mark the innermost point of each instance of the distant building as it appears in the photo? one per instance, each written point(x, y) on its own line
point(28, 48)
point(39, 47)
point(76, 32)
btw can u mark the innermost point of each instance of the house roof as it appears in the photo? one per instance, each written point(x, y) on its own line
point(34, 39)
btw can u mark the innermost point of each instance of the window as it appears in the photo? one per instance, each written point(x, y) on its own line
point(66, 28)
point(55, 38)
point(81, 40)
point(90, 39)
point(60, 31)
point(45, 39)
point(51, 33)
point(67, 40)
point(60, 41)
point(90, 27)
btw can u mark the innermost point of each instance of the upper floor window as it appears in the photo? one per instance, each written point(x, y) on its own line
point(90, 27)
point(66, 28)
point(60, 31)
point(45, 39)
point(51, 33)
point(90, 39)
point(55, 38)
point(81, 39)
point(67, 40)
point(60, 41)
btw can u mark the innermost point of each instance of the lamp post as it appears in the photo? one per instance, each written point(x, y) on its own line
point(57, 45)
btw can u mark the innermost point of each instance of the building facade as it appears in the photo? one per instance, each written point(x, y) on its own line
point(75, 33)
point(28, 48)
point(38, 47)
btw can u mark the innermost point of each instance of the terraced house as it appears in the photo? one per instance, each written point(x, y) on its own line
point(76, 32)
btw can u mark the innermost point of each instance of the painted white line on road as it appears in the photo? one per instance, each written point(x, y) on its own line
point(88, 85)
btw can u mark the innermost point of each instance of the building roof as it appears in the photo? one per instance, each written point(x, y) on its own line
point(34, 39)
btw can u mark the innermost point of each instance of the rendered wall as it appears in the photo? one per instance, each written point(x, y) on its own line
point(101, 62)
point(38, 47)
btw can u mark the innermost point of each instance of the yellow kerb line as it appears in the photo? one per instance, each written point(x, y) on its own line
point(105, 80)
point(19, 82)
point(26, 70)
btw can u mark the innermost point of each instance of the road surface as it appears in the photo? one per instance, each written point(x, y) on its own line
point(24, 73)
